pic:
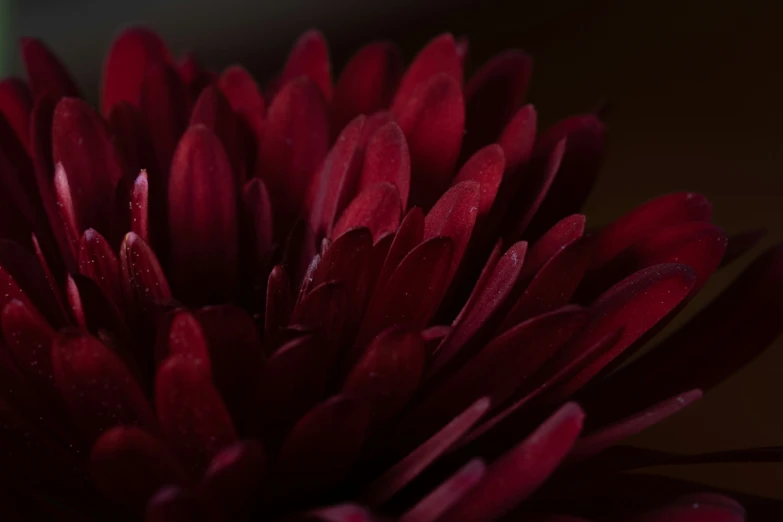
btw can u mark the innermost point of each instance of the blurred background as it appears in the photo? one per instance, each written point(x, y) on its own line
point(695, 88)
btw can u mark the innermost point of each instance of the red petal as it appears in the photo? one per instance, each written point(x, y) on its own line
point(566, 231)
point(257, 230)
point(376, 208)
point(324, 310)
point(367, 83)
point(194, 76)
point(402, 473)
point(454, 216)
point(128, 465)
point(337, 179)
point(310, 58)
point(245, 97)
point(203, 219)
point(139, 207)
point(493, 95)
point(191, 412)
point(279, 303)
point(82, 146)
point(586, 137)
point(413, 292)
point(293, 380)
point(172, 504)
point(235, 477)
point(97, 388)
point(659, 213)
point(98, 262)
point(554, 285)
point(144, 282)
point(16, 104)
point(438, 502)
point(321, 447)
point(28, 338)
point(409, 235)
point(609, 436)
point(164, 108)
point(388, 373)
point(340, 513)
point(298, 251)
point(439, 56)
point(485, 167)
point(521, 471)
point(348, 261)
point(47, 76)
point(295, 142)
point(186, 338)
point(386, 159)
point(635, 304)
point(518, 138)
point(132, 139)
point(433, 121)
point(67, 210)
point(483, 307)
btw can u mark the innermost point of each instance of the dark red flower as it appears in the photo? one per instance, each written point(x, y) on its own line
point(375, 295)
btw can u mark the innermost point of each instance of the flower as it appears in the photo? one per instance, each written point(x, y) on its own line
point(334, 301)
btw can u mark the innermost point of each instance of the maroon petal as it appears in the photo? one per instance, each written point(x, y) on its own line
point(256, 239)
point(438, 502)
point(296, 137)
point(298, 252)
point(129, 465)
point(340, 513)
point(143, 280)
point(635, 304)
point(292, 381)
point(439, 56)
point(433, 121)
point(16, 104)
point(242, 92)
point(98, 262)
point(96, 387)
point(409, 235)
point(367, 83)
point(493, 95)
point(46, 74)
point(28, 338)
point(336, 180)
point(659, 213)
point(164, 108)
point(279, 303)
point(586, 137)
point(402, 473)
point(82, 146)
point(566, 231)
point(203, 219)
point(413, 293)
point(376, 208)
point(554, 285)
point(388, 373)
point(386, 159)
point(186, 338)
point(67, 210)
point(324, 310)
point(483, 307)
point(486, 167)
point(173, 504)
point(521, 471)
point(609, 436)
point(321, 447)
point(131, 53)
point(454, 216)
point(191, 412)
point(310, 58)
point(235, 477)
point(518, 138)
point(195, 77)
point(139, 207)
point(132, 139)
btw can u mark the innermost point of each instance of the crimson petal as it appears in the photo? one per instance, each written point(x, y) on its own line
point(174, 504)
point(518, 138)
point(143, 280)
point(409, 235)
point(245, 97)
point(47, 76)
point(486, 167)
point(29, 338)
point(438, 502)
point(377, 208)
point(16, 104)
point(279, 303)
point(98, 262)
point(387, 159)
point(566, 231)
point(310, 57)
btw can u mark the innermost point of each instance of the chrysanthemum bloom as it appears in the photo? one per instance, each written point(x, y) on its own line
point(373, 299)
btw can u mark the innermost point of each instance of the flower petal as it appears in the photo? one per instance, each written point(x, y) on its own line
point(132, 139)
point(46, 74)
point(129, 465)
point(439, 501)
point(164, 108)
point(493, 95)
point(203, 219)
point(98, 262)
point(367, 82)
point(28, 338)
point(174, 504)
point(518, 138)
point(96, 387)
point(377, 208)
point(486, 167)
point(310, 57)
point(242, 92)
point(433, 121)
point(235, 477)
point(144, 282)
point(340, 513)
point(191, 412)
point(386, 159)
point(566, 231)
point(279, 303)
point(409, 235)
point(521, 471)
point(16, 104)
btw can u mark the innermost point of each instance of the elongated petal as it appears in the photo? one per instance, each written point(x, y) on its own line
point(129, 465)
point(433, 121)
point(47, 76)
point(174, 504)
point(191, 412)
point(235, 477)
point(203, 219)
point(367, 83)
point(144, 282)
point(521, 471)
point(139, 207)
point(97, 388)
point(131, 53)
point(242, 92)
point(409, 234)
point(387, 159)
point(186, 338)
point(434, 505)
point(164, 109)
point(518, 137)
point(29, 338)
point(98, 262)
point(564, 232)
point(16, 104)
point(486, 167)
point(377, 208)
point(310, 58)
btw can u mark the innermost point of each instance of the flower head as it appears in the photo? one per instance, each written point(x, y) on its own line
point(341, 301)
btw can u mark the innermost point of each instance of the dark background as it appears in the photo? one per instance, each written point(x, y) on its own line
point(695, 87)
